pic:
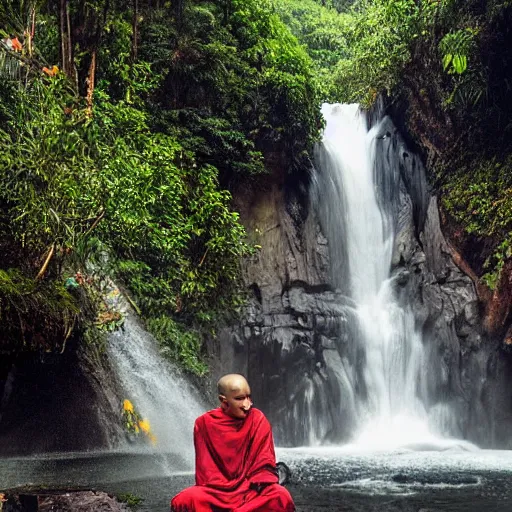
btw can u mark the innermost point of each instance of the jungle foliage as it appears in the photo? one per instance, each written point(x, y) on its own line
point(446, 73)
point(324, 33)
point(124, 124)
point(121, 125)
point(368, 46)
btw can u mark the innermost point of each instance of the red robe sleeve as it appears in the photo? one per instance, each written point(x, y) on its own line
point(230, 451)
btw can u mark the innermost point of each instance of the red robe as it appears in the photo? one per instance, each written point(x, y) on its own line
point(233, 456)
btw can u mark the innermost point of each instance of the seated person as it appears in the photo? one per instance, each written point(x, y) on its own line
point(235, 458)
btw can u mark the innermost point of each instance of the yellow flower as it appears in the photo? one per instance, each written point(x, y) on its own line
point(152, 438)
point(144, 426)
point(128, 406)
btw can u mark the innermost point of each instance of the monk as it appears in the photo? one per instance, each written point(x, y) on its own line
point(235, 458)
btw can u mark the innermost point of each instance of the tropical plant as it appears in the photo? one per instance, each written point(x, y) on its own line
point(455, 48)
point(112, 159)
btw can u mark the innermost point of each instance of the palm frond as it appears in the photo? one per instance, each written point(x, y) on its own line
point(10, 65)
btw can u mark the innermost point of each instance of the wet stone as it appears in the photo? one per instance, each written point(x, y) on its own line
point(320, 322)
point(268, 320)
point(305, 321)
point(471, 313)
point(86, 501)
point(72, 501)
point(237, 340)
point(327, 343)
point(283, 321)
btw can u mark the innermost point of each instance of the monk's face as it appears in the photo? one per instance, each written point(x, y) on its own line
point(236, 400)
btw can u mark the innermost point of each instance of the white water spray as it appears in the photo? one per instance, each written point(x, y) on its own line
point(157, 390)
point(391, 410)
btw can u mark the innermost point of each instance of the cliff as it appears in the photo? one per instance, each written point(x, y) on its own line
point(295, 339)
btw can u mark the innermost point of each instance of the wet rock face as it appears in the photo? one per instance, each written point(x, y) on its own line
point(61, 401)
point(465, 367)
point(285, 355)
point(293, 314)
point(295, 320)
point(54, 402)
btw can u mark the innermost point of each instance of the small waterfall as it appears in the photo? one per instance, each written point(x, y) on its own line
point(157, 389)
point(382, 390)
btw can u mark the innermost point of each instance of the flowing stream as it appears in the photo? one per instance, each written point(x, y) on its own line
point(382, 388)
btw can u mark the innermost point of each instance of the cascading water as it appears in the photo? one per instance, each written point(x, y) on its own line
point(380, 382)
point(158, 391)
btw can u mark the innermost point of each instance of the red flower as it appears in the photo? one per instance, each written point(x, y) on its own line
point(51, 72)
point(16, 45)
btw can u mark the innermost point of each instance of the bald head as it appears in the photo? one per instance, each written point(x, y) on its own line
point(231, 382)
point(235, 395)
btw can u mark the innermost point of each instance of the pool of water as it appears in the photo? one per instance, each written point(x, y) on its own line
point(324, 479)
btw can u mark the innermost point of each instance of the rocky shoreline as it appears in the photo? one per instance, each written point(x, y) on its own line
point(61, 501)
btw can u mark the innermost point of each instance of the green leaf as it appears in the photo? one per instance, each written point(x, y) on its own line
point(447, 59)
point(460, 63)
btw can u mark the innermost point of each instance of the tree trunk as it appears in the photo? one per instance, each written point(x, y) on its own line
point(88, 30)
point(178, 7)
point(65, 37)
point(90, 80)
point(135, 30)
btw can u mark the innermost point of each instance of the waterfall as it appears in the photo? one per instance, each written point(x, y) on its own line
point(157, 389)
point(380, 384)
